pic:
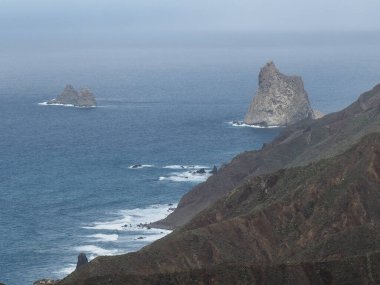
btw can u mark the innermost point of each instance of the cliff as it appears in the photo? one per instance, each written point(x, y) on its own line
point(280, 101)
point(315, 224)
point(69, 96)
point(304, 142)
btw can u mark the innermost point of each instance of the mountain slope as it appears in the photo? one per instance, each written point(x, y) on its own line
point(299, 144)
point(321, 220)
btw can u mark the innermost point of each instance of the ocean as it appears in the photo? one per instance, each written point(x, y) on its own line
point(67, 184)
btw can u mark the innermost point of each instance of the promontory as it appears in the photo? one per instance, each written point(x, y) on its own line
point(281, 100)
point(69, 96)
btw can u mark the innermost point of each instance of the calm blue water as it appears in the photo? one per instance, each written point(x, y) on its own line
point(65, 181)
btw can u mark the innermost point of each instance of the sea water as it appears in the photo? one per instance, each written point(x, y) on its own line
point(83, 180)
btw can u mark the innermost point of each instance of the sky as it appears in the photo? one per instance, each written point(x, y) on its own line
point(33, 20)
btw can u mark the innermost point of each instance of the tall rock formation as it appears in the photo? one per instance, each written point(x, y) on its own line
point(82, 260)
point(69, 96)
point(280, 101)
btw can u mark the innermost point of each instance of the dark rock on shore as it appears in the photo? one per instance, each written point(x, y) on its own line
point(280, 101)
point(70, 96)
point(200, 171)
point(82, 260)
point(214, 170)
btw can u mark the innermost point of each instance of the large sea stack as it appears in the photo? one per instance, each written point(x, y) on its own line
point(280, 101)
point(69, 96)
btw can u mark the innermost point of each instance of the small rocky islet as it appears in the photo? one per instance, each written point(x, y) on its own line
point(281, 100)
point(71, 97)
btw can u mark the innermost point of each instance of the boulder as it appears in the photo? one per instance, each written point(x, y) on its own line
point(200, 171)
point(214, 170)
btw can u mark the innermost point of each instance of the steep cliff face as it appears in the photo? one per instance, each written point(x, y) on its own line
point(299, 144)
point(304, 222)
point(280, 101)
point(70, 96)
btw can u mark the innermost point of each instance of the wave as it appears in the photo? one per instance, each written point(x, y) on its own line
point(55, 104)
point(104, 237)
point(188, 176)
point(94, 251)
point(64, 105)
point(241, 124)
point(139, 166)
point(70, 268)
point(177, 166)
point(131, 220)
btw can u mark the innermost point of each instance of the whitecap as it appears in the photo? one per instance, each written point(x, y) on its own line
point(177, 166)
point(243, 125)
point(94, 250)
point(63, 105)
point(55, 104)
point(132, 219)
point(104, 237)
point(139, 166)
point(117, 224)
point(70, 268)
point(188, 176)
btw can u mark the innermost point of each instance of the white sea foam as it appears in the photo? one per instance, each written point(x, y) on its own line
point(64, 105)
point(66, 270)
point(177, 166)
point(104, 237)
point(117, 224)
point(242, 125)
point(94, 250)
point(125, 233)
point(55, 104)
point(188, 176)
point(130, 220)
point(139, 166)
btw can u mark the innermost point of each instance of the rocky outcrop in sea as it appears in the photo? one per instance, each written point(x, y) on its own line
point(281, 100)
point(70, 96)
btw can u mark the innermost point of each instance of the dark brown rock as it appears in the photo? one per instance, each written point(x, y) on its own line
point(82, 260)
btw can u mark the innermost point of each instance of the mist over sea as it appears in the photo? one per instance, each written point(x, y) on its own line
point(66, 182)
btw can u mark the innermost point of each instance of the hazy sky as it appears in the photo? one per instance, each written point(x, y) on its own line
point(23, 19)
